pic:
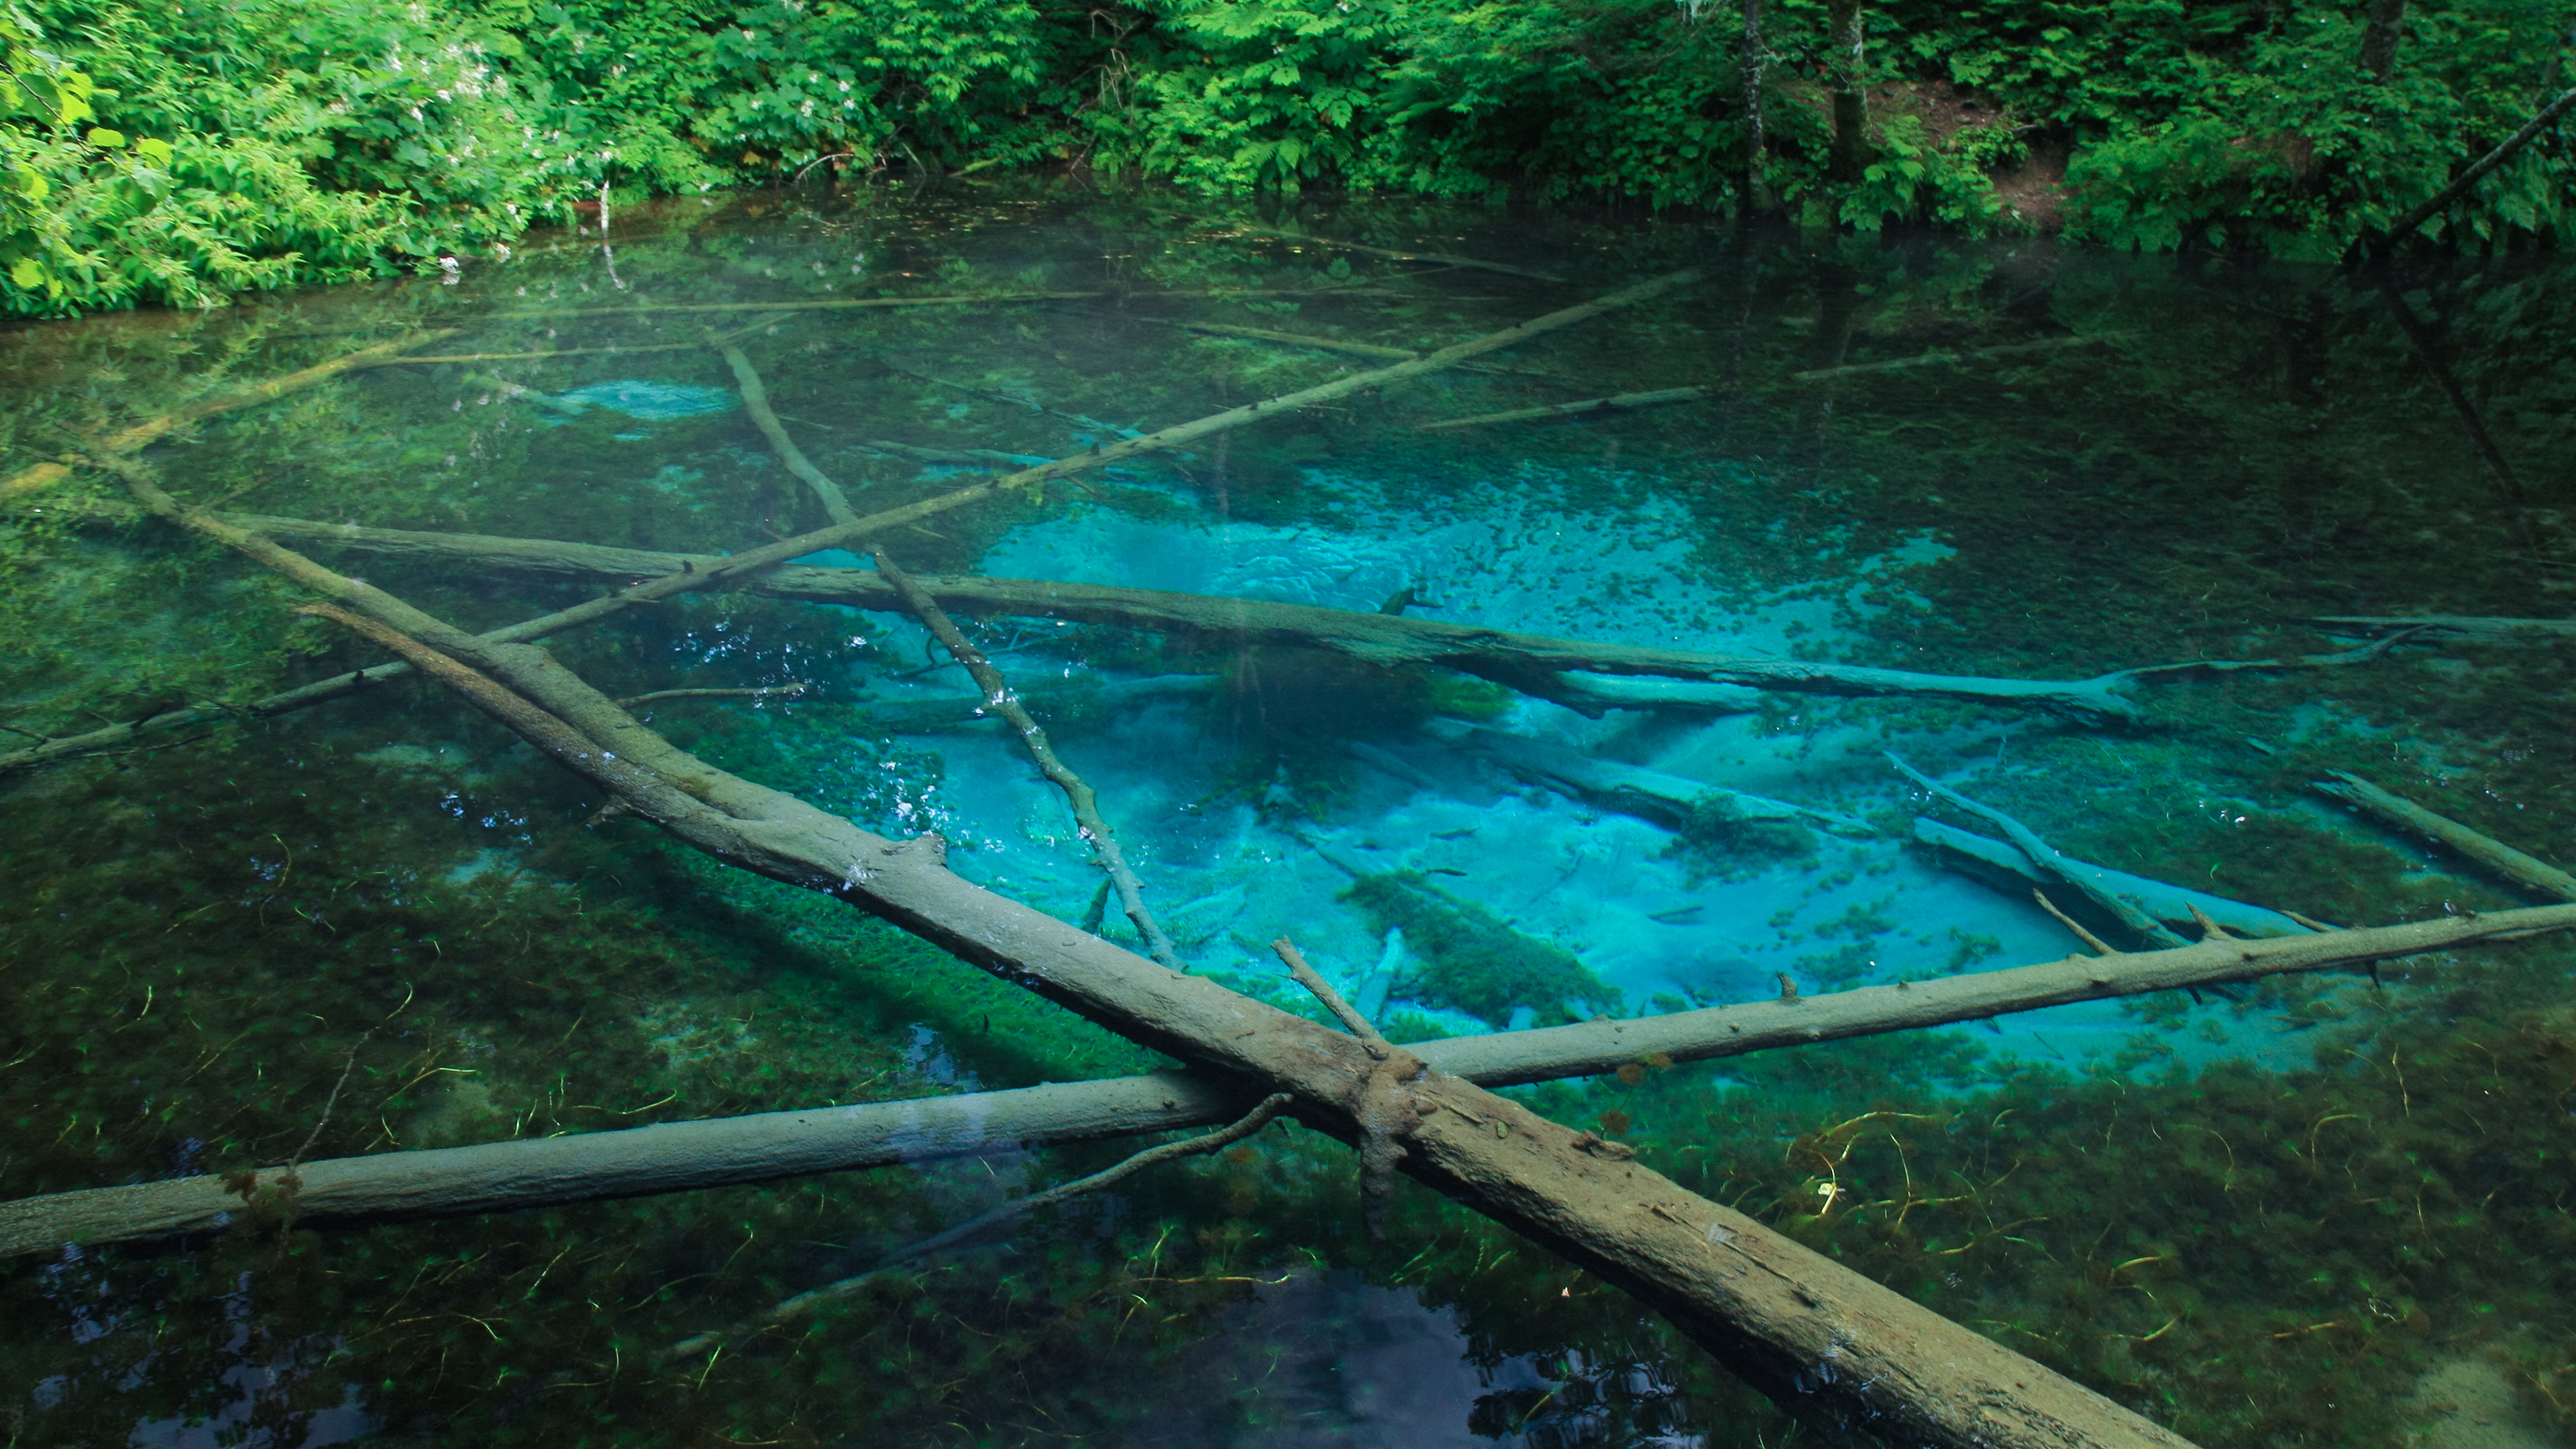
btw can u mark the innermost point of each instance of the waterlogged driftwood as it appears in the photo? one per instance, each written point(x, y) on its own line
point(755, 401)
point(686, 573)
point(2483, 628)
point(1445, 259)
point(128, 439)
point(1948, 359)
point(2528, 872)
point(1623, 402)
point(1545, 667)
point(767, 1146)
point(1776, 1312)
point(2173, 905)
point(1671, 801)
point(2086, 880)
point(1007, 1214)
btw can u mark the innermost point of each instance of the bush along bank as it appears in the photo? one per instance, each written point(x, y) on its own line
point(180, 152)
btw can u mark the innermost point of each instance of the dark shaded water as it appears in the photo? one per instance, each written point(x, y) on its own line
point(2314, 1210)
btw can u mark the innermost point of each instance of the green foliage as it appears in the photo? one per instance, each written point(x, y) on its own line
point(288, 141)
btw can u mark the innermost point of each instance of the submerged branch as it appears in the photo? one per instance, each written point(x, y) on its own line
point(999, 697)
point(1262, 1115)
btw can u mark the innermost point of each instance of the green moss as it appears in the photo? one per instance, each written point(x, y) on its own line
point(1472, 961)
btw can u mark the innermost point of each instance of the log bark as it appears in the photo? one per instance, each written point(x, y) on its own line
point(1822, 1340)
point(2528, 872)
point(2131, 914)
point(767, 1146)
point(15, 488)
point(1445, 259)
point(853, 304)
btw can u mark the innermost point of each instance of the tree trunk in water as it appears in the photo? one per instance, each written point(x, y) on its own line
point(1851, 101)
point(1751, 183)
point(2379, 42)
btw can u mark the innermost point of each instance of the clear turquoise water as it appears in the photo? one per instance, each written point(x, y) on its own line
point(2168, 460)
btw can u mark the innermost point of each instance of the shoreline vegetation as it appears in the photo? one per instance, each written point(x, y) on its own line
point(178, 154)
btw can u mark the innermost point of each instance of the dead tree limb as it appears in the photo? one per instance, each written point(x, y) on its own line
point(1671, 801)
point(722, 1151)
point(2173, 905)
point(755, 401)
point(2425, 210)
point(1545, 667)
point(852, 304)
point(2046, 857)
point(797, 1307)
point(127, 439)
point(998, 695)
point(1774, 1311)
point(2527, 872)
point(1446, 259)
point(1624, 402)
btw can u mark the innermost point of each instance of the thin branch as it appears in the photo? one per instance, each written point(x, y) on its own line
point(1323, 991)
point(1086, 804)
point(1010, 1212)
point(2046, 857)
point(763, 692)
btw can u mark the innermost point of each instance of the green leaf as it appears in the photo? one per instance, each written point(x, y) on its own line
point(155, 151)
point(29, 273)
point(105, 139)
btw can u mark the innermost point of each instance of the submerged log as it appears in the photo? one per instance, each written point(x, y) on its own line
point(1671, 801)
point(767, 1146)
point(2528, 872)
point(1777, 1313)
point(1536, 664)
point(2172, 905)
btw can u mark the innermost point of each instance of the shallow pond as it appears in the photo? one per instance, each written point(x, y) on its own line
point(1826, 613)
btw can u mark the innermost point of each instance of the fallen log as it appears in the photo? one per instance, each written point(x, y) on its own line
point(1947, 359)
point(2175, 906)
point(2086, 880)
point(1777, 1313)
point(1671, 801)
point(1587, 678)
point(2528, 872)
point(138, 435)
point(1547, 668)
point(767, 1146)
